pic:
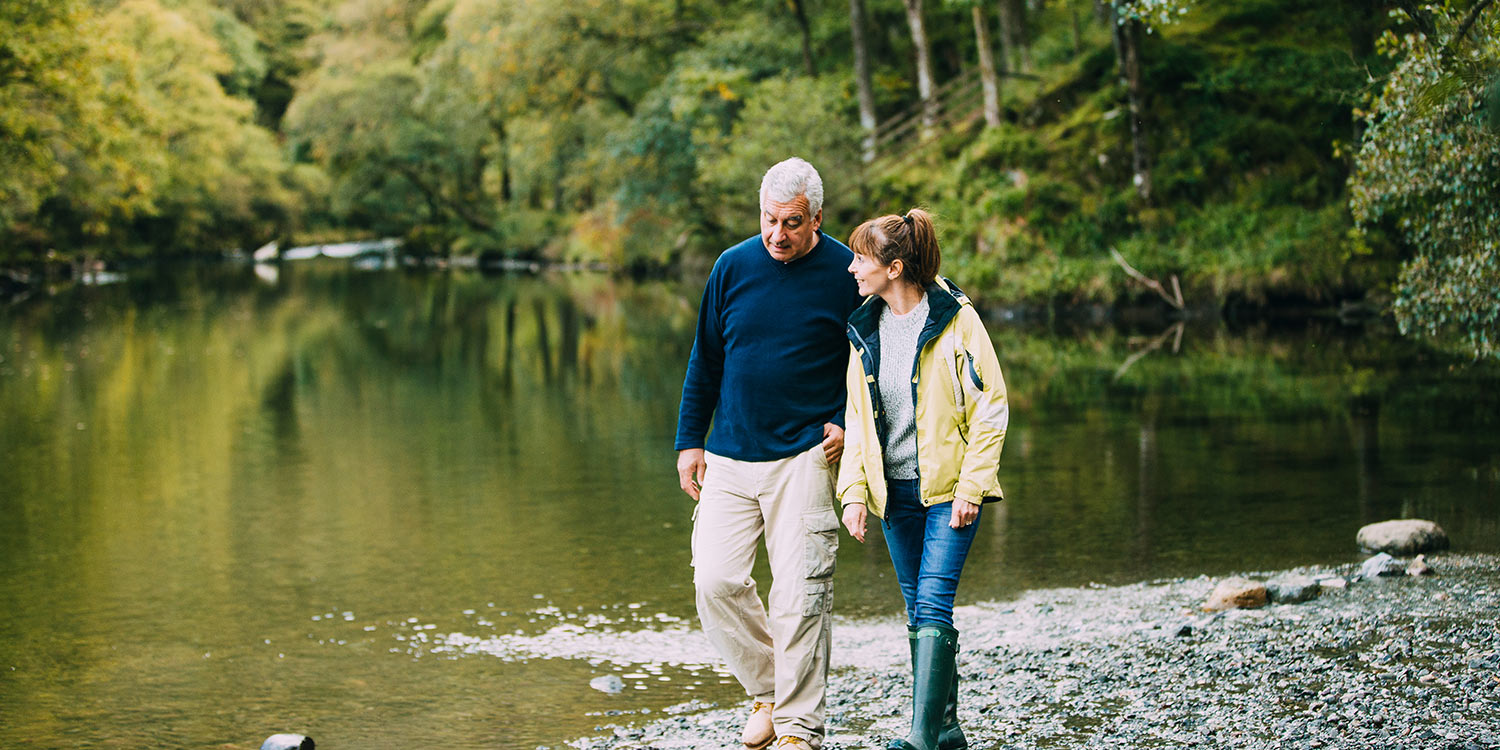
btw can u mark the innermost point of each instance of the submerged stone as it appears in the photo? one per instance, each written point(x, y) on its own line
point(607, 684)
point(287, 742)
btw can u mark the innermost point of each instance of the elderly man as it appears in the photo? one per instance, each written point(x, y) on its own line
point(767, 369)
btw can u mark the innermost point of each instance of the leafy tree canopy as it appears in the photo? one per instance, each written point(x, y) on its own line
point(1428, 175)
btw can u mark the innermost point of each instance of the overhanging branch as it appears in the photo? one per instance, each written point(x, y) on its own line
point(1174, 299)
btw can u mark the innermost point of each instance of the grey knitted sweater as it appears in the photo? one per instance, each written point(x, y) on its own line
point(898, 354)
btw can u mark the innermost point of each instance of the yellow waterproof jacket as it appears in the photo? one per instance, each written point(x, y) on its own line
point(959, 398)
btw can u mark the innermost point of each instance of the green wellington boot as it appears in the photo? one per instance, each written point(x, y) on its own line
point(952, 735)
point(934, 720)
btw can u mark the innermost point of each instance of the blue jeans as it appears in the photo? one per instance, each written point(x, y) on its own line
point(927, 553)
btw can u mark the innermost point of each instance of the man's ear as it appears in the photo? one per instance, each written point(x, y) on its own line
point(818, 220)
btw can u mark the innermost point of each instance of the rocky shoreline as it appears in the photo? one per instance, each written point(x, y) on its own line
point(1399, 662)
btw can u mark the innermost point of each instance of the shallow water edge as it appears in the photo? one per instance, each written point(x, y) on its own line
point(1408, 662)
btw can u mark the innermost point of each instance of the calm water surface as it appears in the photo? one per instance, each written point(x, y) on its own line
point(233, 505)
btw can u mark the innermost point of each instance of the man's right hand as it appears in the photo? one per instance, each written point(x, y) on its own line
point(690, 470)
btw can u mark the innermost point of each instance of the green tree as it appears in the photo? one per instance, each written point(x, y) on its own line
point(281, 32)
point(922, 48)
point(220, 180)
point(64, 112)
point(864, 87)
point(484, 117)
point(396, 150)
point(123, 130)
point(763, 135)
point(1132, 20)
point(674, 155)
point(1427, 175)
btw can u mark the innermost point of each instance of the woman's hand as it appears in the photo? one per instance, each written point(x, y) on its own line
point(854, 521)
point(964, 513)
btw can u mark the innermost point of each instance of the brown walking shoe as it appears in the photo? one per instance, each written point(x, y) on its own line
point(796, 743)
point(758, 732)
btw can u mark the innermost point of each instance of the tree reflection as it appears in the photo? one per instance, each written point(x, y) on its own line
point(1364, 437)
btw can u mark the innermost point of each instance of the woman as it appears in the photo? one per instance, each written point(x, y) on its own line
point(925, 422)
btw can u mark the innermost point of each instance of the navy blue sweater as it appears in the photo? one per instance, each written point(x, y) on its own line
point(768, 362)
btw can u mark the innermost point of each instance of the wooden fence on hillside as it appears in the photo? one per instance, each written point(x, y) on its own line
point(958, 101)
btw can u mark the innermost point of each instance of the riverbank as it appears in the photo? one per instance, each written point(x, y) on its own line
point(1409, 662)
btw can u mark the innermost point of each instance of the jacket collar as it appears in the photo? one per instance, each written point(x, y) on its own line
point(944, 299)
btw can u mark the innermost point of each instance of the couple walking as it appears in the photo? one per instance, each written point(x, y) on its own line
point(796, 372)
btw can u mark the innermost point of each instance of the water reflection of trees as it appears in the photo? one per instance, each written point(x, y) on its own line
point(546, 332)
point(414, 399)
point(180, 399)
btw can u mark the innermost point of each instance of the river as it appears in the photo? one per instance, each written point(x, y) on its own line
point(237, 503)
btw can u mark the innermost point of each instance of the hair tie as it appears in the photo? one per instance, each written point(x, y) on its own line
point(907, 219)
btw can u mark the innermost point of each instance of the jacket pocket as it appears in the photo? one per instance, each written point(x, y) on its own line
point(974, 371)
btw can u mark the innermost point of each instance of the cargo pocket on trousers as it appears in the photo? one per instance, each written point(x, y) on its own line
point(820, 548)
point(817, 599)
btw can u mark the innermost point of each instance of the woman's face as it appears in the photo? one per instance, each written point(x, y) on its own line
point(871, 276)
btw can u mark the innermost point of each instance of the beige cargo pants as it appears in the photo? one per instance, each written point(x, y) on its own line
point(782, 658)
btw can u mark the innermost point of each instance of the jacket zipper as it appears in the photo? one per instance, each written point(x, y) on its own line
point(867, 361)
point(916, 369)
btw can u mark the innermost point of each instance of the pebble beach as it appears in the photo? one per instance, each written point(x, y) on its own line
point(1385, 662)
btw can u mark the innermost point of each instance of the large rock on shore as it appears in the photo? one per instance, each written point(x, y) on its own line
point(1236, 593)
point(1402, 538)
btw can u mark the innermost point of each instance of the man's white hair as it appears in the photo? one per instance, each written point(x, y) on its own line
point(789, 179)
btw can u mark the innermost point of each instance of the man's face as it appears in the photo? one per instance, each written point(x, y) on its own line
point(787, 230)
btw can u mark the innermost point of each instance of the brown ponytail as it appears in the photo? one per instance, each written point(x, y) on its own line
point(911, 239)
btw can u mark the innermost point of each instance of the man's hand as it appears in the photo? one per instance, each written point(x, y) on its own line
point(690, 470)
point(964, 513)
point(854, 521)
point(833, 442)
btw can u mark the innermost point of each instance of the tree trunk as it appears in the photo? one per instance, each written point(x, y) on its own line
point(924, 65)
point(865, 90)
point(544, 347)
point(1363, 27)
point(560, 170)
point(1463, 29)
point(438, 202)
point(807, 56)
point(1013, 35)
point(989, 79)
point(502, 156)
point(1127, 38)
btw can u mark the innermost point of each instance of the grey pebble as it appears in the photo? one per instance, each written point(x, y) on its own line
point(1375, 667)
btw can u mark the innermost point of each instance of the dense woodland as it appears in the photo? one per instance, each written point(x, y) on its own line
point(1257, 152)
